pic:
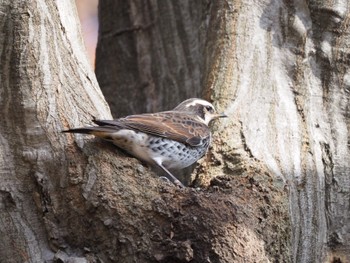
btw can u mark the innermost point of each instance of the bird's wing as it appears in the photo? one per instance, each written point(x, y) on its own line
point(171, 125)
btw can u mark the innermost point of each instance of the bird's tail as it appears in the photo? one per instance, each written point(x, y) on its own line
point(103, 132)
point(86, 130)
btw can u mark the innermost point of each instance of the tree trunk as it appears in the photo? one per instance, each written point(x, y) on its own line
point(149, 53)
point(279, 71)
point(46, 85)
point(276, 176)
point(263, 226)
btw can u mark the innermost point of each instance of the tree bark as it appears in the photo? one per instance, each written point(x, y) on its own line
point(43, 71)
point(259, 228)
point(276, 177)
point(149, 53)
point(280, 71)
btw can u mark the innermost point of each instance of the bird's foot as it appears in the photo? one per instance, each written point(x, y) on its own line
point(175, 182)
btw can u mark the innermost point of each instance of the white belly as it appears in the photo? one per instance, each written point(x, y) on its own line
point(173, 154)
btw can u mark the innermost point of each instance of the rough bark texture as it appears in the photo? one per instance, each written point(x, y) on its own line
point(149, 53)
point(69, 199)
point(277, 173)
point(280, 70)
point(265, 228)
point(43, 71)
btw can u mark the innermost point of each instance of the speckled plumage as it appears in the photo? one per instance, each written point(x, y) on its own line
point(170, 139)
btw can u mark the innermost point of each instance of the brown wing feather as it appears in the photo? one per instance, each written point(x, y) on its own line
point(172, 125)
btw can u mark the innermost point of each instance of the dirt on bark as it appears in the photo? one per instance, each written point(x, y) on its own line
point(235, 219)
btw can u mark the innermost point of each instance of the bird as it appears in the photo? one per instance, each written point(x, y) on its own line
point(170, 140)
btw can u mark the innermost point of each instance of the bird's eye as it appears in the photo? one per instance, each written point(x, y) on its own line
point(210, 109)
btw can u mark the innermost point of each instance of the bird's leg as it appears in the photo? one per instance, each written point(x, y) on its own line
point(170, 176)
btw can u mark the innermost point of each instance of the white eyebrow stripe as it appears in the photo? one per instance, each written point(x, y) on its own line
point(198, 101)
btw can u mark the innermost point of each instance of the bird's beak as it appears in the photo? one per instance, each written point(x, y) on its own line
point(220, 115)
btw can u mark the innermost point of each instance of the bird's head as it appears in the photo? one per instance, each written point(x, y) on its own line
point(203, 109)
